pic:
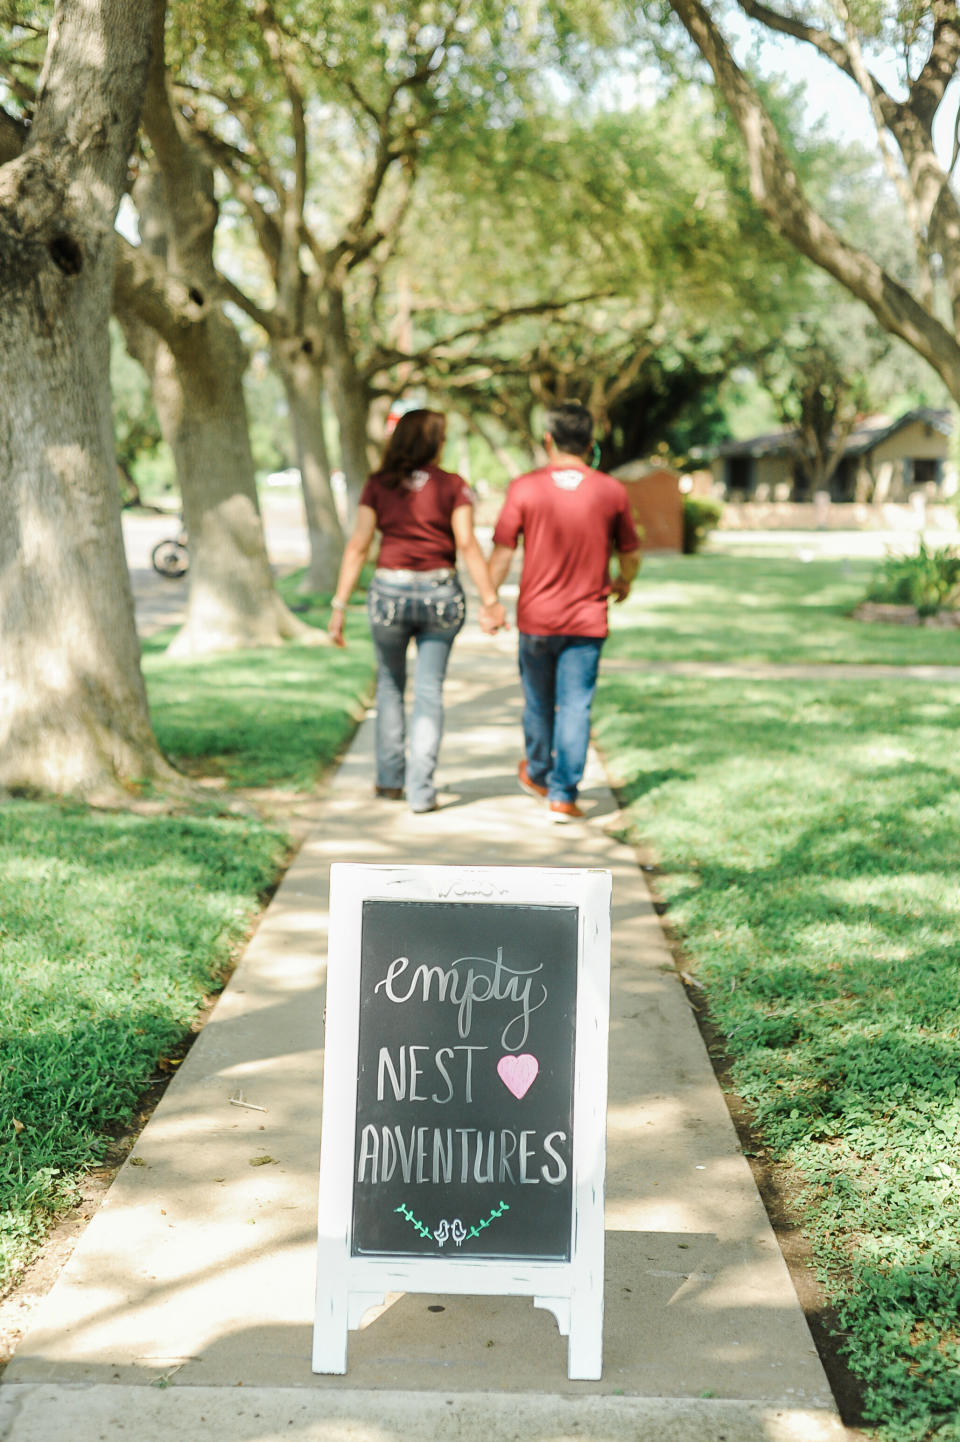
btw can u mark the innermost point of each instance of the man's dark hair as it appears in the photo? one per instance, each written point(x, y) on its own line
point(571, 426)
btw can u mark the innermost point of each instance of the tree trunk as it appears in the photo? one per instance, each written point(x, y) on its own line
point(75, 718)
point(302, 375)
point(197, 376)
point(351, 401)
point(233, 602)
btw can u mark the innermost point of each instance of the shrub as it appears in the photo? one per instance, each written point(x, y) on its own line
point(928, 580)
point(700, 515)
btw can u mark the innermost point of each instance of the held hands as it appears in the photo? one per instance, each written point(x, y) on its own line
point(493, 618)
point(335, 628)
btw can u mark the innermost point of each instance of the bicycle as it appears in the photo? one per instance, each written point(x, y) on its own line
point(171, 558)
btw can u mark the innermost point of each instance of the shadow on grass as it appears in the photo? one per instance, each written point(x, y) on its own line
point(907, 1319)
point(265, 718)
point(750, 609)
point(178, 852)
point(114, 929)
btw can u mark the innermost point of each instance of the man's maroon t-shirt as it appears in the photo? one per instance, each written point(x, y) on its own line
point(571, 520)
point(414, 518)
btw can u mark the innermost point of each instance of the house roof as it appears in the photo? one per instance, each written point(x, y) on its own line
point(864, 437)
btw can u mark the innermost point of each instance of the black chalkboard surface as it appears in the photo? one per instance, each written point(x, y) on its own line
point(464, 1113)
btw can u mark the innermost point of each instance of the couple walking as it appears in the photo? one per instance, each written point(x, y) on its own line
point(573, 520)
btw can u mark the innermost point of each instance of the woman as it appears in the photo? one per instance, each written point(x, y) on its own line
point(425, 516)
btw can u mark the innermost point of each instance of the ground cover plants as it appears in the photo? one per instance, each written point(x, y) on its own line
point(116, 927)
point(928, 579)
point(808, 840)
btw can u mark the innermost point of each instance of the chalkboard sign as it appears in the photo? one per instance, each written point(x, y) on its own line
point(465, 1080)
point(464, 1094)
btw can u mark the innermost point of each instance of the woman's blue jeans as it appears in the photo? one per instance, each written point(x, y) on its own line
point(431, 612)
point(559, 675)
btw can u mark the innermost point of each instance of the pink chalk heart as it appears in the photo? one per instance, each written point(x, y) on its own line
point(518, 1073)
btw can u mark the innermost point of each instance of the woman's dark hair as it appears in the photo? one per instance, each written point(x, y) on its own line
point(416, 440)
point(571, 426)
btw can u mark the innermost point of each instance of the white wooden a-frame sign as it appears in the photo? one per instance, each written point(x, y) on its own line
point(349, 1285)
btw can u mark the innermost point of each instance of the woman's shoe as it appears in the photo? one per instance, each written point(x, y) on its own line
point(389, 793)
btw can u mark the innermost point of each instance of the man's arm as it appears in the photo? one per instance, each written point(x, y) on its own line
point(628, 565)
point(501, 559)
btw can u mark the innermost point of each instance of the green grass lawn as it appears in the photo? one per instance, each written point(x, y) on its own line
point(115, 928)
point(731, 607)
point(808, 836)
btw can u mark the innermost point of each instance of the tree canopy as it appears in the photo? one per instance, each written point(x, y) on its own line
point(922, 42)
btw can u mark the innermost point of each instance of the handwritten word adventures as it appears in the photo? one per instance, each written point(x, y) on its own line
point(434, 1155)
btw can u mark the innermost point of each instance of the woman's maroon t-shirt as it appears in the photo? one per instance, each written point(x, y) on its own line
point(414, 519)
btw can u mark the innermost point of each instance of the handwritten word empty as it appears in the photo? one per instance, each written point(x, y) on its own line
point(481, 980)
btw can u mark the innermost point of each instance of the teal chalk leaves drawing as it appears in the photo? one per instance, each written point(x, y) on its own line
point(451, 1230)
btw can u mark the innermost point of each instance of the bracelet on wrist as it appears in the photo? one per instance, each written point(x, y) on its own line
point(338, 605)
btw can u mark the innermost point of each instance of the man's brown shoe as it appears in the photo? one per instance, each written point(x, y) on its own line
point(564, 811)
point(390, 793)
point(532, 788)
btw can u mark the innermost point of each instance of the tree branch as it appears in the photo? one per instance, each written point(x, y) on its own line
point(238, 107)
point(927, 91)
point(357, 241)
point(13, 134)
point(821, 39)
point(264, 318)
point(439, 350)
point(274, 40)
point(144, 286)
point(930, 205)
point(233, 162)
point(192, 210)
point(777, 189)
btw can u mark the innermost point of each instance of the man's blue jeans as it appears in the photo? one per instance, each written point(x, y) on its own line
point(559, 675)
point(431, 612)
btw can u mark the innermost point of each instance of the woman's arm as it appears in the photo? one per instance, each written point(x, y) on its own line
point(354, 554)
point(492, 614)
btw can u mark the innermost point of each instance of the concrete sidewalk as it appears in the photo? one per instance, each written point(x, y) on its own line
point(187, 1306)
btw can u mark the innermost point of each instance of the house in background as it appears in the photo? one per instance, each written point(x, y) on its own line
point(882, 461)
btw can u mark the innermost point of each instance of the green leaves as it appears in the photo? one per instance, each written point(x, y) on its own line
point(929, 579)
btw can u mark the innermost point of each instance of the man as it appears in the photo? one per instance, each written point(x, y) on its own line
point(572, 519)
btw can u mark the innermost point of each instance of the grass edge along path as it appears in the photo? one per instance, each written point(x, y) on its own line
point(808, 839)
point(117, 927)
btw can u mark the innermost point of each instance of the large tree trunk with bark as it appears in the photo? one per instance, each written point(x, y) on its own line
point(301, 368)
point(351, 399)
point(199, 398)
point(197, 373)
point(74, 719)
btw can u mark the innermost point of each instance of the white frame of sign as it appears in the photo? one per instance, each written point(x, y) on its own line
point(348, 1286)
